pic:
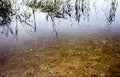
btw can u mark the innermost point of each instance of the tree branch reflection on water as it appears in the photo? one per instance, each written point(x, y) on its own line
point(82, 8)
point(9, 17)
point(60, 9)
point(110, 7)
point(112, 11)
point(5, 16)
point(5, 12)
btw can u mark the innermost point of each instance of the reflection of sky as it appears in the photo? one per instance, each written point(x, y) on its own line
point(96, 24)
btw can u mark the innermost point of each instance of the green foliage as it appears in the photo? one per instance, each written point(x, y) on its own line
point(32, 3)
point(5, 5)
point(46, 5)
point(5, 11)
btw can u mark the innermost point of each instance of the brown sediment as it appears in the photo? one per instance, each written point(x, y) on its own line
point(86, 59)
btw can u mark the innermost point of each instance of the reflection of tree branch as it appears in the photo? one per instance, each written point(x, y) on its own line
point(112, 11)
point(16, 30)
point(53, 26)
point(82, 9)
point(5, 12)
point(54, 30)
point(34, 19)
point(24, 21)
point(7, 29)
point(54, 9)
point(77, 8)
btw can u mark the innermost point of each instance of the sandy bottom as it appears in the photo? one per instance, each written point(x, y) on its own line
point(95, 58)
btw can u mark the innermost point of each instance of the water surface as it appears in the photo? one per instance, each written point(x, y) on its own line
point(85, 33)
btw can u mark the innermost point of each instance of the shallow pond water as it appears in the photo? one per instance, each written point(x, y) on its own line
point(99, 18)
point(80, 40)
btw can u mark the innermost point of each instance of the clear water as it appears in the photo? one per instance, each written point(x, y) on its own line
point(94, 21)
point(91, 40)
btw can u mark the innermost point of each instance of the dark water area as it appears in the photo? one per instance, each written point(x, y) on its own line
point(60, 38)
